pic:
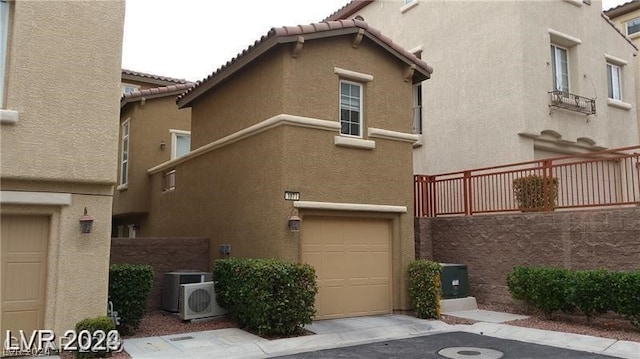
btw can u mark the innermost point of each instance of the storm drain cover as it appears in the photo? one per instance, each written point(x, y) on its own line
point(470, 353)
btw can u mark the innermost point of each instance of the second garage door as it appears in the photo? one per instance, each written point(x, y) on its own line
point(352, 258)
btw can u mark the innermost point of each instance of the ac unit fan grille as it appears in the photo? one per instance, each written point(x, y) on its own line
point(199, 300)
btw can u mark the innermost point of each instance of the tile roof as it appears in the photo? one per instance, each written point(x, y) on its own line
point(351, 8)
point(623, 9)
point(289, 34)
point(146, 76)
point(154, 92)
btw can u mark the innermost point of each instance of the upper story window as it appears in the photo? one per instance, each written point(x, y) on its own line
point(614, 82)
point(633, 26)
point(180, 143)
point(124, 153)
point(350, 108)
point(4, 31)
point(129, 88)
point(560, 68)
point(417, 108)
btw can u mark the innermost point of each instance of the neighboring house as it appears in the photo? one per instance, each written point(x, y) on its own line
point(316, 109)
point(152, 131)
point(60, 86)
point(515, 80)
point(626, 17)
point(136, 81)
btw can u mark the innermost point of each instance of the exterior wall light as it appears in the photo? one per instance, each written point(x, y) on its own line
point(86, 222)
point(162, 146)
point(294, 223)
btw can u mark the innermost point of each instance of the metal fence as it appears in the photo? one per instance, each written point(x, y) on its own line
point(597, 179)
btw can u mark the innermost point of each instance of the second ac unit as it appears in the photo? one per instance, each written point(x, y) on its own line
point(172, 282)
point(198, 300)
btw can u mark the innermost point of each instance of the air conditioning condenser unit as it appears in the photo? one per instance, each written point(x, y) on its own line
point(198, 300)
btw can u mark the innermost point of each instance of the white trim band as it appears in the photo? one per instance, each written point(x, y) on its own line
point(8, 117)
point(619, 104)
point(392, 135)
point(265, 125)
point(615, 60)
point(333, 206)
point(564, 39)
point(353, 142)
point(35, 198)
point(352, 75)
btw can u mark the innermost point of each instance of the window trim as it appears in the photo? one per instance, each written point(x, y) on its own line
point(626, 26)
point(554, 74)
point(124, 179)
point(361, 107)
point(614, 84)
point(408, 5)
point(5, 9)
point(174, 141)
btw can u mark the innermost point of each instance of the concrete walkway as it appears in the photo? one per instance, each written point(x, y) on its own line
point(236, 343)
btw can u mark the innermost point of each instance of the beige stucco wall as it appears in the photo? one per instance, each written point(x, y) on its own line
point(491, 77)
point(63, 79)
point(234, 194)
point(149, 125)
point(620, 23)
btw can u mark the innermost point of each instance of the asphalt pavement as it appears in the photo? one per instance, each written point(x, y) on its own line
point(454, 345)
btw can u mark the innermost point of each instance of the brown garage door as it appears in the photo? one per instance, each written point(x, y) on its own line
point(352, 258)
point(24, 242)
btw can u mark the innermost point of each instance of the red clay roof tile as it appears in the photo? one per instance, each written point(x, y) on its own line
point(328, 28)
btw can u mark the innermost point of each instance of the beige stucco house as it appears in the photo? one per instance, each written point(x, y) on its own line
point(515, 80)
point(319, 110)
point(152, 131)
point(60, 85)
point(626, 17)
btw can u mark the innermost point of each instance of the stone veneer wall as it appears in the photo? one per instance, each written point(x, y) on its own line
point(164, 255)
point(490, 245)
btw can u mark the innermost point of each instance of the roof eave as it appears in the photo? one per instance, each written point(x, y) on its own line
point(348, 10)
point(127, 100)
point(622, 9)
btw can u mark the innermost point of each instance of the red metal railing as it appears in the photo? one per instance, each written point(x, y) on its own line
point(597, 179)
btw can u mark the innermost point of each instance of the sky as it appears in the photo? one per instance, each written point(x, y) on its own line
point(190, 39)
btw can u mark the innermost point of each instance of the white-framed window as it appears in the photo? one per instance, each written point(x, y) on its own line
point(633, 26)
point(614, 84)
point(129, 88)
point(406, 2)
point(180, 143)
point(350, 108)
point(124, 153)
point(417, 108)
point(4, 31)
point(560, 68)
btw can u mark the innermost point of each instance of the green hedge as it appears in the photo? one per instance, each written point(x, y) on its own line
point(266, 296)
point(424, 288)
point(129, 287)
point(591, 292)
point(92, 325)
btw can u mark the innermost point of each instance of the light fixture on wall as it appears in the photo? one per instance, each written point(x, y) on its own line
point(294, 223)
point(162, 146)
point(86, 222)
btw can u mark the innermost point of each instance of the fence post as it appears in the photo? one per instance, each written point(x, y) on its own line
point(547, 182)
point(431, 204)
point(468, 205)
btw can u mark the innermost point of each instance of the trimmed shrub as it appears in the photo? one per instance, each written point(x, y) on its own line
point(591, 291)
point(543, 288)
point(535, 193)
point(92, 325)
point(129, 287)
point(424, 288)
point(626, 296)
point(266, 296)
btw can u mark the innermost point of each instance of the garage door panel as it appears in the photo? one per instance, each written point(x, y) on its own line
point(352, 258)
point(24, 241)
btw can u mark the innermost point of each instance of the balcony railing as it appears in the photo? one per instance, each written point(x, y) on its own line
point(598, 179)
point(569, 101)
